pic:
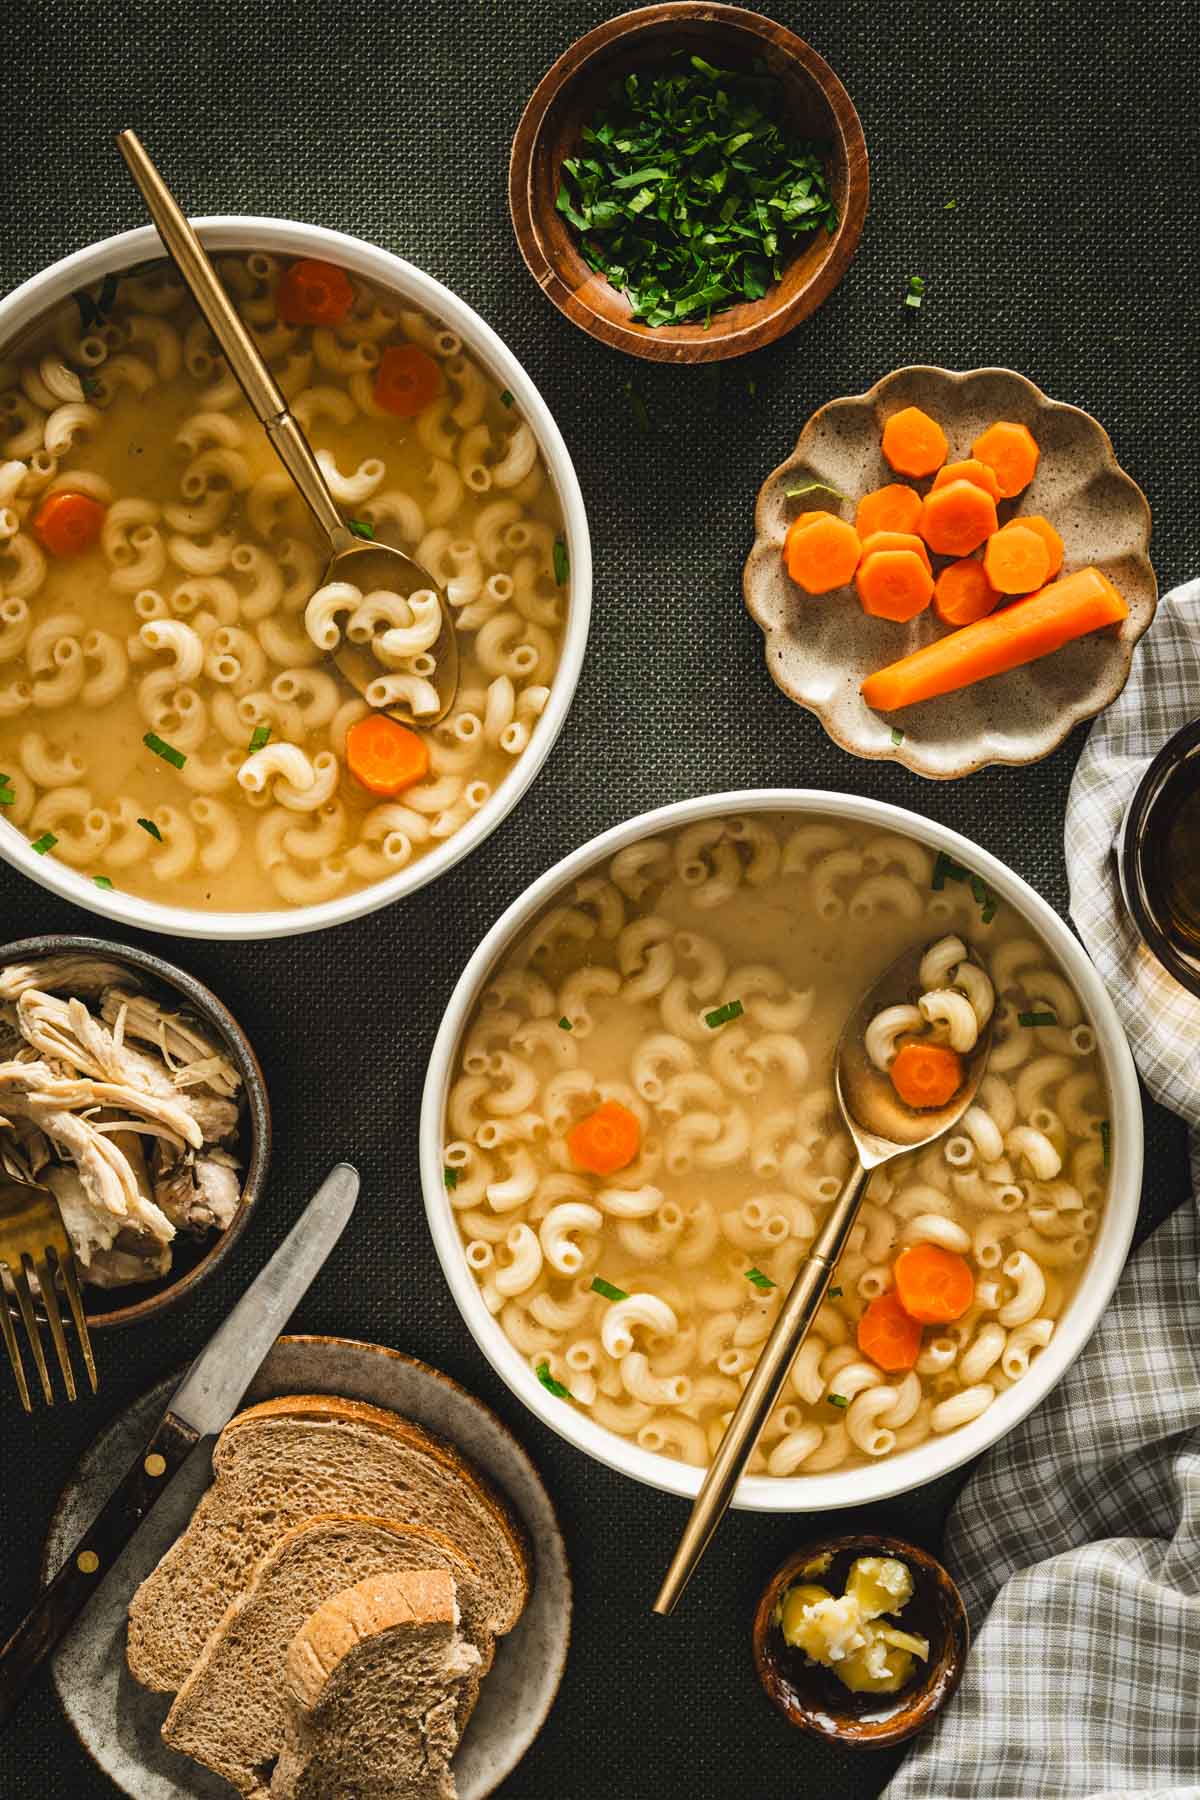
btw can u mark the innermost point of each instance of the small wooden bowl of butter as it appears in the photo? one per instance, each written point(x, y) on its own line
point(860, 1639)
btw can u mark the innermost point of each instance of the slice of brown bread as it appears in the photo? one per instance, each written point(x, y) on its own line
point(288, 1460)
point(372, 1677)
point(231, 1712)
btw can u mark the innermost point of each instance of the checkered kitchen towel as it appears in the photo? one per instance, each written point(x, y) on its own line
point(1077, 1541)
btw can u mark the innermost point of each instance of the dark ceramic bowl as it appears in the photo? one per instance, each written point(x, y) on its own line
point(193, 1259)
point(1140, 849)
point(813, 1699)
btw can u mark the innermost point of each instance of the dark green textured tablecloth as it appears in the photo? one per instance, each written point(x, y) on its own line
point(1067, 135)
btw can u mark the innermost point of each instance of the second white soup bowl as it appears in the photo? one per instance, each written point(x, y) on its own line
point(286, 237)
point(936, 1456)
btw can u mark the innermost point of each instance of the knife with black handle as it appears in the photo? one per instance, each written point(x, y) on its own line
point(203, 1403)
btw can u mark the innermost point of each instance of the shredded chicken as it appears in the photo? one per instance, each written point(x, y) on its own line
point(137, 1140)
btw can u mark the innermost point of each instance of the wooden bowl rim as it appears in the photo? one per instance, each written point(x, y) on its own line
point(928, 1699)
point(258, 1105)
point(770, 319)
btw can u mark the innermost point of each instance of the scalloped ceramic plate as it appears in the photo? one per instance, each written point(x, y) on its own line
point(820, 648)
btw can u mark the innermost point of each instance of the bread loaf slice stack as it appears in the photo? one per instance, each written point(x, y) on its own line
point(374, 1680)
point(311, 1497)
point(231, 1712)
point(282, 1462)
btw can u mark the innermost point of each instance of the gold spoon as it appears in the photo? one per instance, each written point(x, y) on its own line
point(882, 1128)
point(365, 564)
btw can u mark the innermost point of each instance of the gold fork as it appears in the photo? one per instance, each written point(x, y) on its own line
point(31, 1234)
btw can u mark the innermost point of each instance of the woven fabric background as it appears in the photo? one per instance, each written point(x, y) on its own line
point(1067, 134)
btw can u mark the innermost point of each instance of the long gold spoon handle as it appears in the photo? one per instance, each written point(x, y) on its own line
point(762, 1390)
point(253, 376)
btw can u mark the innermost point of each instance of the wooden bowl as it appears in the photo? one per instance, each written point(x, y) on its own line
point(568, 96)
point(193, 1261)
point(813, 1699)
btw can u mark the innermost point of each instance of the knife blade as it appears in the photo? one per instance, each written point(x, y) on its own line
point(205, 1400)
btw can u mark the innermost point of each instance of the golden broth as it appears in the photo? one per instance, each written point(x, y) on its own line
point(240, 553)
point(616, 994)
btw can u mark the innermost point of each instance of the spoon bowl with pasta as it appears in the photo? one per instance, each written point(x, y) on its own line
point(907, 1067)
point(400, 652)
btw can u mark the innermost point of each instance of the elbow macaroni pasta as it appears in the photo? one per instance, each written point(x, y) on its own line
point(609, 995)
point(205, 620)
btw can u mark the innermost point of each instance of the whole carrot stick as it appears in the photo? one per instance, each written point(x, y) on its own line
point(1020, 633)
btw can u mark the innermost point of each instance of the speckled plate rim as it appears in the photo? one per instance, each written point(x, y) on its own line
point(1069, 716)
point(545, 1624)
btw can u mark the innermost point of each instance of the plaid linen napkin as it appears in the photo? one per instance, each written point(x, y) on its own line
point(1081, 1531)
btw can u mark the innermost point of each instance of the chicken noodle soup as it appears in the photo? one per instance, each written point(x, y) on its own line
point(170, 723)
point(642, 1141)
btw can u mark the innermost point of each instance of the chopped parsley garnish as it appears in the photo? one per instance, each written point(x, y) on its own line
point(897, 735)
point(721, 1015)
point(90, 386)
point(258, 739)
point(550, 1384)
point(946, 869)
point(916, 291)
point(638, 407)
point(950, 206)
point(835, 1293)
point(606, 1290)
point(450, 1178)
point(46, 842)
point(762, 1282)
point(102, 881)
point(564, 1024)
point(562, 562)
point(506, 398)
point(95, 312)
point(176, 758)
point(838, 1400)
point(751, 387)
point(152, 828)
point(814, 487)
point(1106, 1140)
point(362, 528)
point(1037, 1018)
point(7, 797)
point(689, 191)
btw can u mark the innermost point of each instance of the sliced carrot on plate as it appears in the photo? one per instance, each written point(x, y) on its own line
point(1011, 452)
point(67, 524)
point(1050, 537)
point(1019, 634)
point(822, 554)
point(962, 593)
point(893, 584)
point(385, 756)
point(969, 470)
point(935, 1286)
point(957, 518)
point(913, 443)
point(888, 1336)
point(1016, 559)
point(897, 540)
point(896, 507)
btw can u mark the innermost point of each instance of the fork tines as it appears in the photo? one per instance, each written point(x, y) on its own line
point(34, 1243)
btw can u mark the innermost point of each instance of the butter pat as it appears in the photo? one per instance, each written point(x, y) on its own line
point(842, 1633)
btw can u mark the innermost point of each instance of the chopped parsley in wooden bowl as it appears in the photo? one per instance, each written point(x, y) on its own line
point(688, 182)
